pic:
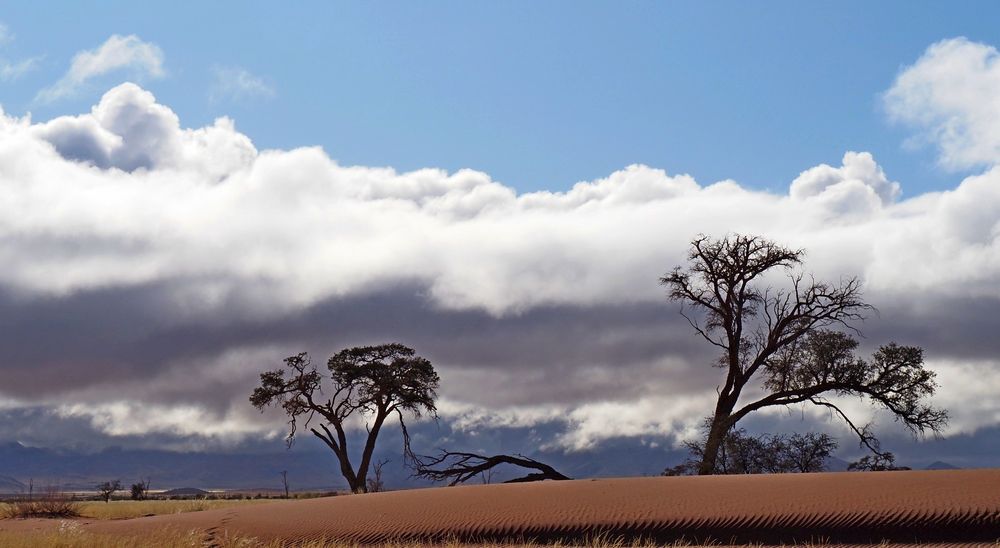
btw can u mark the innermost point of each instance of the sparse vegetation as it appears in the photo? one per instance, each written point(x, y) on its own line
point(45, 507)
point(63, 507)
point(743, 453)
point(876, 463)
point(126, 509)
point(71, 535)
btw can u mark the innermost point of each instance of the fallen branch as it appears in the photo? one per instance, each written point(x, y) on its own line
point(458, 467)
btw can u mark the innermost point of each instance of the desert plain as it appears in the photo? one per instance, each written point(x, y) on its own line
point(908, 508)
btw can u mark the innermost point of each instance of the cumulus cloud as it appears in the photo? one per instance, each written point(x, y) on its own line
point(950, 96)
point(238, 84)
point(128, 130)
point(118, 52)
point(859, 185)
point(174, 264)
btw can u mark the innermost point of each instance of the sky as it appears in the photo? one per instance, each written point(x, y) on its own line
point(189, 193)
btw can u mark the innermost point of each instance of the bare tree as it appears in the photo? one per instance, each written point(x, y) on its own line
point(284, 481)
point(879, 462)
point(808, 452)
point(374, 382)
point(375, 484)
point(107, 489)
point(458, 467)
point(778, 338)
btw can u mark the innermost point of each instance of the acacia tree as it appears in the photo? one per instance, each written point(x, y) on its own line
point(107, 489)
point(370, 382)
point(779, 338)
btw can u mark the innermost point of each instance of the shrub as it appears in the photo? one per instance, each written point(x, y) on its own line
point(46, 507)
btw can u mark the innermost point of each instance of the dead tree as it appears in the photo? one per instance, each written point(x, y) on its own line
point(374, 382)
point(284, 481)
point(779, 338)
point(107, 489)
point(376, 484)
point(458, 467)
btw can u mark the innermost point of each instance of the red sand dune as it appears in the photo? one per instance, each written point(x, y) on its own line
point(927, 506)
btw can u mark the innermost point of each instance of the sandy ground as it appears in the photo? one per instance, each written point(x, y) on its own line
point(948, 506)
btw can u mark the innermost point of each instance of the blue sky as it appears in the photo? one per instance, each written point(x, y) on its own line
point(538, 95)
point(153, 268)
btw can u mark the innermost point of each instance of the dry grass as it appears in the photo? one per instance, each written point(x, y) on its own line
point(127, 509)
point(71, 535)
point(47, 507)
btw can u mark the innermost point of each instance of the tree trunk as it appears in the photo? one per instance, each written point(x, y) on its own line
point(366, 456)
point(716, 435)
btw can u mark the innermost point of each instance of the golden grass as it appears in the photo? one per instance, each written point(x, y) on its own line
point(126, 509)
point(71, 535)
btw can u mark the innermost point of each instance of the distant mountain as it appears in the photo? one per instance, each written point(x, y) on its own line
point(9, 485)
point(834, 464)
point(939, 465)
point(312, 467)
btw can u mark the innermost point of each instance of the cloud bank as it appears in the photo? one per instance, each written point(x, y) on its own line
point(151, 271)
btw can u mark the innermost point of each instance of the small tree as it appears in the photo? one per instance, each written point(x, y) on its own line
point(742, 453)
point(108, 488)
point(809, 452)
point(284, 481)
point(376, 382)
point(878, 462)
point(376, 484)
point(778, 338)
point(140, 491)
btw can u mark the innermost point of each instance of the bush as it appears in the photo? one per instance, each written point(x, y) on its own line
point(46, 507)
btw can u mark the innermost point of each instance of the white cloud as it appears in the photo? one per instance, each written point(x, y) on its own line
point(13, 71)
point(118, 52)
point(127, 173)
point(859, 185)
point(124, 195)
point(950, 95)
point(238, 84)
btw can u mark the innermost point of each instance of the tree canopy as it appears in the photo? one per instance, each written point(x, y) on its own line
point(794, 341)
point(371, 383)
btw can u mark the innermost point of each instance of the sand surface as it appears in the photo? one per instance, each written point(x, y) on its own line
point(910, 507)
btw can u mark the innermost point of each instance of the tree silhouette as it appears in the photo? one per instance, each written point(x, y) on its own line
point(879, 462)
point(779, 338)
point(458, 467)
point(374, 382)
point(742, 453)
point(108, 488)
point(139, 491)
